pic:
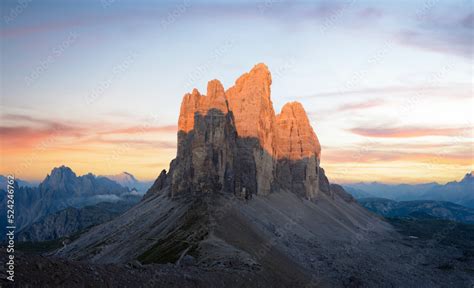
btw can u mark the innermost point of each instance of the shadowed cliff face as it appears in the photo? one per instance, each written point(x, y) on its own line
point(232, 141)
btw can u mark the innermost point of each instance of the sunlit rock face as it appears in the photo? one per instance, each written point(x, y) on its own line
point(206, 143)
point(194, 102)
point(250, 103)
point(232, 141)
point(298, 151)
point(249, 100)
point(296, 138)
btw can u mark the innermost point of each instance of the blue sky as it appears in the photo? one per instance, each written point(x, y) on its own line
point(393, 80)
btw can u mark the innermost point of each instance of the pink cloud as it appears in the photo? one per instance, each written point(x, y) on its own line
point(361, 105)
point(27, 132)
point(409, 132)
point(143, 129)
point(372, 155)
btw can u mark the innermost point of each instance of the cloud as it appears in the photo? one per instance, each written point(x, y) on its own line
point(53, 23)
point(34, 121)
point(438, 31)
point(373, 155)
point(30, 131)
point(104, 198)
point(360, 105)
point(468, 21)
point(442, 33)
point(458, 90)
point(328, 13)
point(25, 132)
point(370, 13)
point(136, 142)
point(143, 129)
point(410, 132)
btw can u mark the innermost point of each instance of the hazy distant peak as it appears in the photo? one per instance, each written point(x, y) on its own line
point(125, 179)
point(467, 177)
point(459, 192)
point(123, 175)
point(127, 175)
point(21, 183)
point(61, 172)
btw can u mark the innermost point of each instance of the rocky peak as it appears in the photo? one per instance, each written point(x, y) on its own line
point(60, 174)
point(189, 107)
point(296, 138)
point(194, 103)
point(468, 177)
point(257, 80)
point(125, 179)
point(216, 96)
point(249, 100)
point(62, 170)
point(232, 141)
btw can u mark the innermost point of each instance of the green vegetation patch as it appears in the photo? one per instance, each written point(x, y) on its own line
point(193, 228)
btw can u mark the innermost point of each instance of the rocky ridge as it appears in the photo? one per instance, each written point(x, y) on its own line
point(60, 189)
point(458, 192)
point(236, 136)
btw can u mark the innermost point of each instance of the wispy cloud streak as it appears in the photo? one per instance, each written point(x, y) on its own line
point(409, 132)
point(454, 90)
point(361, 105)
point(24, 132)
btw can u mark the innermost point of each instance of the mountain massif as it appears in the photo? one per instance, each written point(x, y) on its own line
point(246, 199)
point(419, 209)
point(72, 220)
point(128, 180)
point(233, 141)
point(61, 189)
point(458, 192)
point(19, 182)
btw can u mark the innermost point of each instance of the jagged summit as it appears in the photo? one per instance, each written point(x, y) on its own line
point(297, 139)
point(468, 176)
point(253, 114)
point(62, 188)
point(194, 103)
point(252, 108)
point(124, 178)
point(61, 171)
point(60, 178)
point(234, 142)
point(257, 80)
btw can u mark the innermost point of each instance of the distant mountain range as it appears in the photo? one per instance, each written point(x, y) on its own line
point(20, 183)
point(69, 221)
point(125, 179)
point(461, 193)
point(128, 180)
point(419, 209)
point(61, 189)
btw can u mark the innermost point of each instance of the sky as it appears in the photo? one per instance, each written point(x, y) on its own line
point(97, 85)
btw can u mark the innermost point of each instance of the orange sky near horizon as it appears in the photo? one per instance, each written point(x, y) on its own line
point(33, 149)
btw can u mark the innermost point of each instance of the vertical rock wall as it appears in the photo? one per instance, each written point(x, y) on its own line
point(232, 141)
